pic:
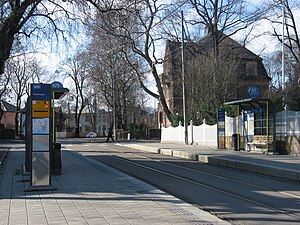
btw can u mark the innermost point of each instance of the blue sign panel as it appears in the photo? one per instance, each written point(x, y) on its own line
point(57, 84)
point(221, 122)
point(221, 115)
point(253, 92)
point(258, 110)
point(40, 91)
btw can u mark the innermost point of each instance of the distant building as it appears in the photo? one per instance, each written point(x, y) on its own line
point(8, 117)
point(7, 123)
point(98, 122)
point(249, 71)
point(141, 116)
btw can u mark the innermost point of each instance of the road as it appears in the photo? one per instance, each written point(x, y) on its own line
point(237, 196)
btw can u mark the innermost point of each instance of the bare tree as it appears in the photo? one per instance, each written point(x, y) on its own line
point(273, 63)
point(113, 77)
point(22, 70)
point(137, 26)
point(41, 19)
point(291, 37)
point(220, 17)
point(211, 82)
point(142, 26)
point(76, 69)
point(4, 80)
point(291, 41)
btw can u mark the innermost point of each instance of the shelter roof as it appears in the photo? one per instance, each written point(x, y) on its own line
point(59, 93)
point(252, 103)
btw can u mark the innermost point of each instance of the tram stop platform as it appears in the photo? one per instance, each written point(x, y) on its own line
point(89, 192)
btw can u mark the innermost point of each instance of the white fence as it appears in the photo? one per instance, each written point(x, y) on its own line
point(287, 125)
point(201, 135)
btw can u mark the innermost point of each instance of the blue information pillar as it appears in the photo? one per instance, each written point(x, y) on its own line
point(40, 135)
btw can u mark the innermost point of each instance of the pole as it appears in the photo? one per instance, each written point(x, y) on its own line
point(238, 129)
point(53, 118)
point(267, 125)
point(283, 70)
point(183, 83)
point(283, 48)
point(114, 106)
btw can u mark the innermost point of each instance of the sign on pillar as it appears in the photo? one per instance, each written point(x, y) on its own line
point(40, 135)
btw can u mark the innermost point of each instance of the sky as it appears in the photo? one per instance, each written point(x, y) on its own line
point(51, 58)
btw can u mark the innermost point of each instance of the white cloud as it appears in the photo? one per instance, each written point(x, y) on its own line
point(49, 61)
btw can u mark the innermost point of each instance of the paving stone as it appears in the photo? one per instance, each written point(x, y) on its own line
point(88, 192)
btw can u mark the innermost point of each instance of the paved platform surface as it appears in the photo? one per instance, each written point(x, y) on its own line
point(89, 192)
point(281, 166)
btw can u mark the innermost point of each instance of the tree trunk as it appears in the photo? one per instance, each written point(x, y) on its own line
point(17, 124)
point(77, 130)
point(1, 111)
point(10, 27)
point(162, 99)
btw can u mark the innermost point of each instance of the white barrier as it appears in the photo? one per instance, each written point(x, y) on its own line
point(287, 125)
point(201, 135)
point(172, 134)
point(205, 135)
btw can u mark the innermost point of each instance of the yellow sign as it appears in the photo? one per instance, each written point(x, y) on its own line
point(40, 109)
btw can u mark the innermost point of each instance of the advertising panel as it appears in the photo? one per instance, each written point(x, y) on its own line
point(40, 108)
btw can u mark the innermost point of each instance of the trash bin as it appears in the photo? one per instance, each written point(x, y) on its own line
point(56, 159)
point(235, 141)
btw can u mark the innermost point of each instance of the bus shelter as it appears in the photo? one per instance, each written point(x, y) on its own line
point(258, 120)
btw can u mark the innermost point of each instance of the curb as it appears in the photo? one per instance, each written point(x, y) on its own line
point(221, 161)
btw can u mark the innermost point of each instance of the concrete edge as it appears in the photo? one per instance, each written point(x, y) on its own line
point(140, 147)
point(251, 167)
point(216, 160)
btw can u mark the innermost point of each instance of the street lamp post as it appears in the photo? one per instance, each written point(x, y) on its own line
point(114, 106)
point(183, 84)
point(283, 70)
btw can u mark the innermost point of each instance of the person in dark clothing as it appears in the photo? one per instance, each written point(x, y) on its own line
point(110, 135)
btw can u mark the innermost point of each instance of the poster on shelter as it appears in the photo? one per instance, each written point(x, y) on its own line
point(40, 143)
point(40, 126)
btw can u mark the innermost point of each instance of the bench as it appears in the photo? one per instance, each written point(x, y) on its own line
point(261, 142)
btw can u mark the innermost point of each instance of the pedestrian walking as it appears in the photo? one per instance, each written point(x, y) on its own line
point(110, 135)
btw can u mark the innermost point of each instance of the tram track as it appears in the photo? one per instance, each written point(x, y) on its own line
point(248, 183)
point(138, 161)
point(147, 155)
point(3, 156)
point(222, 191)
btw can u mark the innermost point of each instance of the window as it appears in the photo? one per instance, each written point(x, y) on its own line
point(251, 68)
point(88, 118)
point(261, 126)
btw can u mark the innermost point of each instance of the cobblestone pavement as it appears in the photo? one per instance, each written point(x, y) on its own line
point(89, 192)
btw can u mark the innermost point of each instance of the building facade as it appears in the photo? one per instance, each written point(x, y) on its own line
point(98, 122)
point(9, 114)
point(246, 66)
